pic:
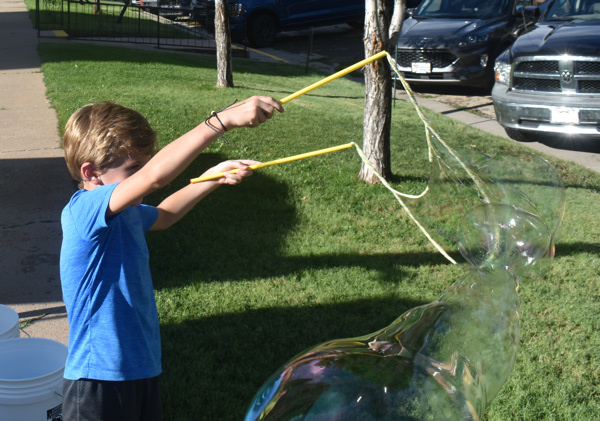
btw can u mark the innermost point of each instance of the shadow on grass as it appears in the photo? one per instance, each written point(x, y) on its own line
point(574, 248)
point(238, 232)
point(215, 365)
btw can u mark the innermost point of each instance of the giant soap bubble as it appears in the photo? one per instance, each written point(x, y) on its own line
point(450, 358)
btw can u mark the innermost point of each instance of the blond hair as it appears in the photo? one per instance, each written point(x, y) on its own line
point(99, 133)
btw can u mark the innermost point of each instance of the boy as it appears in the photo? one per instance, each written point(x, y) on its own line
point(113, 363)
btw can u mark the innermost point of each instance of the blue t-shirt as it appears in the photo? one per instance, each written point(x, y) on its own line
point(107, 288)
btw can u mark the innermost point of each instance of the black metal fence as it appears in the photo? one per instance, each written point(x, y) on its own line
point(168, 25)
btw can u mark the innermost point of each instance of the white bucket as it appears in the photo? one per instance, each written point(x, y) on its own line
point(31, 378)
point(9, 323)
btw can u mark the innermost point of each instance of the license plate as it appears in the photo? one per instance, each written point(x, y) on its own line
point(564, 115)
point(421, 67)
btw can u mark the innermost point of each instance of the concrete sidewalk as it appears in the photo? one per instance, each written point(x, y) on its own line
point(34, 182)
point(589, 160)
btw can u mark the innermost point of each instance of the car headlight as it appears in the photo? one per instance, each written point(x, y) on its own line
point(473, 40)
point(502, 72)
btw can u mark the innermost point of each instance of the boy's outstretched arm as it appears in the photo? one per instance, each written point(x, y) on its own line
point(171, 160)
point(177, 205)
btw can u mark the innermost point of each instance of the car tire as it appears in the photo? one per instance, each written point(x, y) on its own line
point(262, 30)
point(520, 135)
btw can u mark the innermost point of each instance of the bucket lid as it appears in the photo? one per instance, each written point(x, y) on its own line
point(31, 371)
point(24, 359)
point(9, 318)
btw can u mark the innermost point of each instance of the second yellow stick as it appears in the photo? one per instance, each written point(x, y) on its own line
point(275, 162)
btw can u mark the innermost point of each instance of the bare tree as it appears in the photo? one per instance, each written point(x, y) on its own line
point(381, 32)
point(223, 41)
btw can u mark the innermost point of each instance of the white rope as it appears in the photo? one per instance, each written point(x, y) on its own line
point(428, 132)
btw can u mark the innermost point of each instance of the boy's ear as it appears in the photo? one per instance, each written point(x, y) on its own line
point(90, 174)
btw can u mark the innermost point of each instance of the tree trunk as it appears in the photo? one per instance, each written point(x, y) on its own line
point(223, 41)
point(378, 36)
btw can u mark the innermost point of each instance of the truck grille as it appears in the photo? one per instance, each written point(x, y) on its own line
point(541, 66)
point(438, 59)
point(589, 86)
point(557, 74)
point(588, 67)
point(531, 84)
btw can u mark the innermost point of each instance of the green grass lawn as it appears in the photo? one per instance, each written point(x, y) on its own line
point(303, 252)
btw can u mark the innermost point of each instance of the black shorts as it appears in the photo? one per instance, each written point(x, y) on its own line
point(99, 400)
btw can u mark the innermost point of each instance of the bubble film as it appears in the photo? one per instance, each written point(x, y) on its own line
point(444, 360)
point(462, 180)
point(450, 358)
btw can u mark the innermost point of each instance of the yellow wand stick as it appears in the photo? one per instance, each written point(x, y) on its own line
point(334, 76)
point(275, 162)
point(296, 95)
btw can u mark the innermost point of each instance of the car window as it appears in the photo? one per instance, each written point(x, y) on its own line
point(573, 9)
point(462, 9)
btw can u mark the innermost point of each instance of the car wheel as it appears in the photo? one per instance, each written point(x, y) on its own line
point(520, 135)
point(262, 30)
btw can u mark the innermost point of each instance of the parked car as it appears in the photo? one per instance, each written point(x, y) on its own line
point(166, 8)
point(455, 42)
point(549, 80)
point(412, 4)
point(260, 20)
point(153, 5)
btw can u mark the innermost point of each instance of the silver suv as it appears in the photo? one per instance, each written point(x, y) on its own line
point(548, 81)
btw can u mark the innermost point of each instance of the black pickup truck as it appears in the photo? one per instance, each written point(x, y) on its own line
point(548, 81)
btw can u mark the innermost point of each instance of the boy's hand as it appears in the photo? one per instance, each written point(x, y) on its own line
point(174, 207)
point(232, 178)
point(250, 113)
